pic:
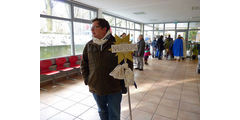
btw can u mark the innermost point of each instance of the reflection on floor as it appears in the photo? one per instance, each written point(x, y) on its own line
point(167, 90)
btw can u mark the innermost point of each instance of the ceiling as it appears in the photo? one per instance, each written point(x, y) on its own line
point(155, 11)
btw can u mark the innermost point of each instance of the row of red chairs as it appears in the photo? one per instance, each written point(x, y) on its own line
point(45, 65)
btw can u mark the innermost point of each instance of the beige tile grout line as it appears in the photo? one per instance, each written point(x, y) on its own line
point(181, 91)
point(163, 95)
point(143, 97)
point(141, 100)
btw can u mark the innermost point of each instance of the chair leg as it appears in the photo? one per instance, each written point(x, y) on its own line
point(73, 79)
point(79, 72)
point(56, 83)
point(67, 75)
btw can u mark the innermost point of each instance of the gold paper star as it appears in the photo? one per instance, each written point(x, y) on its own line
point(123, 55)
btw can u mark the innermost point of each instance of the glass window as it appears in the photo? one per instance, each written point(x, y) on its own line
point(131, 35)
point(171, 33)
point(120, 23)
point(158, 33)
point(82, 34)
point(120, 31)
point(84, 13)
point(194, 35)
point(170, 26)
point(158, 26)
point(183, 34)
point(148, 27)
point(110, 19)
point(137, 26)
point(130, 25)
point(194, 25)
point(55, 8)
point(137, 33)
point(113, 30)
point(182, 26)
point(55, 38)
point(148, 35)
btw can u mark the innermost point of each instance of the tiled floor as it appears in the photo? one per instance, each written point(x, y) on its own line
point(167, 90)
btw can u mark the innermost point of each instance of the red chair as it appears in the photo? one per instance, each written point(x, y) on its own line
point(44, 70)
point(73, 62)
point(60, 65)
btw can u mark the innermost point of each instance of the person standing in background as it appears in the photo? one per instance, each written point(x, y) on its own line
point(184, 48)
point(146, 54)
point(178, 48)
point(168, 46)
point(160, 47)
point(154, 47)
point(140, 53)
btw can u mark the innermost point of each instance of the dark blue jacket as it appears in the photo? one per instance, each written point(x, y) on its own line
point(154, 43)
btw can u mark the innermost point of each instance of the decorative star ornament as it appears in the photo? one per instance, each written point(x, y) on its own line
point(123, 55)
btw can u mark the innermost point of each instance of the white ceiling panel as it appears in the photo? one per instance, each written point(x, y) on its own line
point(155, 11)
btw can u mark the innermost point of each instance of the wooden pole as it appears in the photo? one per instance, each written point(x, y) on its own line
point(129, 103)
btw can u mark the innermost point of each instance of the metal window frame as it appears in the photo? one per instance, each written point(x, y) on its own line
point(176, 30)
point(72, 20)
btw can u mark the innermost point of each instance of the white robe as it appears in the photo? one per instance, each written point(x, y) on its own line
point(184, 48)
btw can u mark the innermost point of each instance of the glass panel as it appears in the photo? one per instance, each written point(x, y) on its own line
point(55, 8)
point(128, 24)
point(120, 23)
point(170, 26)
point(158, 26)
point(137, 33)
point(137, 26)
point(194, 35)
point(82, 34)
point(110, 19)
point(148, 35)
point(182, 25)
point(55, 38)
point(171, 33)
point(194, 25)
point(120, 31)
point(148, 27)
point(158, 33)
point(84, 13)
point(183, 34)
point(131, 35)
point(131, 25)
point(113, 30)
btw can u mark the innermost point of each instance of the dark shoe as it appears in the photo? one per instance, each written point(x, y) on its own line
point(136, 68)
point(141, 69)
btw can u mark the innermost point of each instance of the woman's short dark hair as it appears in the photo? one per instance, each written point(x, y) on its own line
point(102, 22)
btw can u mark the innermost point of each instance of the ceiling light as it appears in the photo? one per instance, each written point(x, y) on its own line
point(195, 8)
point(153, 19)
point(139, 13)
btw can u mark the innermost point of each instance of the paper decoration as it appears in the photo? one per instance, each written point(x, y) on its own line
point(123, 49)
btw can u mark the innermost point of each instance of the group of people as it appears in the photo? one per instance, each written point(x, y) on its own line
point(174, 49)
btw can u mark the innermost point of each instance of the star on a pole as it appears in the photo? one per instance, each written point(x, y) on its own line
point(123, 55)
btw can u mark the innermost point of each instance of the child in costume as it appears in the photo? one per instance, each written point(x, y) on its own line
point(146, 54)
